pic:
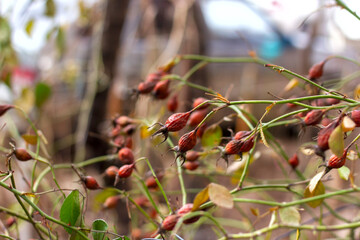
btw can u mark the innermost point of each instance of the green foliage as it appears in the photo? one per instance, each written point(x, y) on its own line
point(70, 210)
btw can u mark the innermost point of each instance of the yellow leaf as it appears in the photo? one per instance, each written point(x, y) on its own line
point(291, 85)
point(315, 180)
point(319, 190)
point(220, 196)
point(347, 124)
point(30, 139)
point(336, 141)
point(200, 198)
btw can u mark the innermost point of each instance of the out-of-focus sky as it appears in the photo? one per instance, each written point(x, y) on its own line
point(223, 16)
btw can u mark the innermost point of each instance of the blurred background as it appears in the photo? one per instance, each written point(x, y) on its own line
point(73, 64)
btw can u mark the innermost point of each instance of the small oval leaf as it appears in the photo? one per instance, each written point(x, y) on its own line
point(336, 141)
point(290, 215)
point(212, 136)
point(30, 139)
point(220, 196)
point(99, 225)
point(315, 180)
point(344, 172)
point(200, 198)
point(70, 210)
point(319, 190)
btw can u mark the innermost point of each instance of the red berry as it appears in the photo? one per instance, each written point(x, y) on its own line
point(247, 145)
point(241, 134)
point(172, 104)
point(233, 147)
point(316, 71)
point(125, 171)
point(187, 141)
point(126, 155)
point(169, 222)
point(146, 87)
point(294, 161)
point(187, 209)
point(4, 108)
point(355, 116)
point(91, 183)
point(161, 89)
point(198, 101)
point(192, 156)
point(336, 162)
point(313, 117)
point(150, 182)
point(22, 154)
point(10, 221)
point(177, 121)
point(111, 202)
point(324, 135)
point(196, 117)
point(111, 171)
point(191, 165)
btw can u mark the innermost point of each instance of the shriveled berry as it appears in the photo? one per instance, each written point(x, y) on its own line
point(22, 154)
point(126, 155)
point(145, 87)
point(294, 161)
point(187, 209)
point(187, 141)
point(247, 145)
point(324, 135)
point(161, 89)
point(111, 171)
point(4, 108)
point(355, 116)
point(191, 165)
point(241, 134)
point(192, 156)
point(169, 222)
point(336, 162)
point(172, 103)
point(196, 117)
point(111, 202)
point(233, 147)
point(199, 101)
point(313, 117)
point(316, 71)
point(174, 123)
point(91, 183)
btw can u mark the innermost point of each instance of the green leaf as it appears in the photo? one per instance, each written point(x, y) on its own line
point(29, 27)
point(42, 93)
point(344, 172)
point(50, 8)
point(212, 136)
point(220, 196)
point(336, 141)
point(290, 215)
point(5, 33)
point(70, 210)
point(99, 225)
point(200, 198)
point(61, 41)
point(319, 190)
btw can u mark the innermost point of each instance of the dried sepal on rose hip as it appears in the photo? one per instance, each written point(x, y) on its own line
point(174, 123)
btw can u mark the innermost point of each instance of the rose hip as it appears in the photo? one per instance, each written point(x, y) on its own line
point(111, 202)
point(124, 172)
point(187, 209)
point(126, 155)
point(172, 103)
point(111, 171)
point(241, 134)
point(91, 183)
point(316, 71)
point(187, 141)
point(294, 161)
point(192, 156)
point(355, 116)
point(196, 117)
point(313, 117)
point(161, 89)
point(191, 165)
point(169, 222)
point(199, 101)
point(22, 154)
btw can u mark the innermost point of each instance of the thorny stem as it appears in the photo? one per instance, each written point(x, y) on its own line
point(344, 6)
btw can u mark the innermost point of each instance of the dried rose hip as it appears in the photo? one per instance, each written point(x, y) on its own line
point(174, 123)
point(196, 117)
point(336, 162)
point(355, 116)
point(316, 71)
point(187, 209)
point(187, 141)
point(22, 154)
point(169, 222)
point(111, 202)
point(324, 135)
point(192, 156)
point(126, 155)
point(91, 183)
point(172, 103)
point(241, 134)
point(199, 101)
point(313, 117)
point(294, 161)
point(191, 165)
